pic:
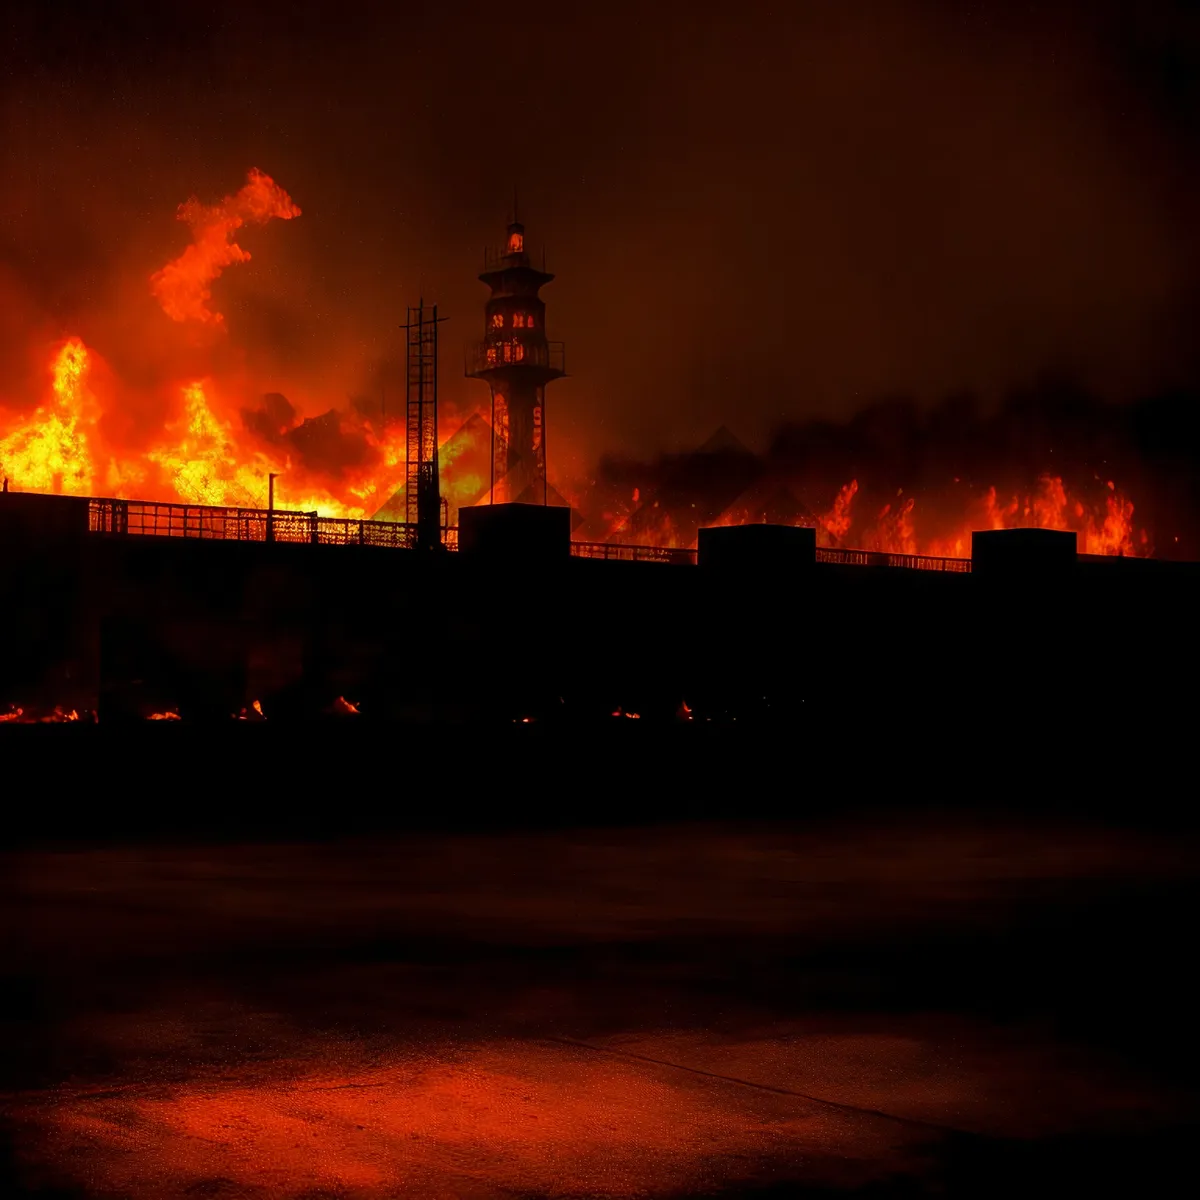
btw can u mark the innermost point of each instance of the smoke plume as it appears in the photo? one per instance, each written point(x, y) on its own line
point(183, 285)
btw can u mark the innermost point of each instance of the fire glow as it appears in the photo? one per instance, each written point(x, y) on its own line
point(210, 447)
point(1108, 530)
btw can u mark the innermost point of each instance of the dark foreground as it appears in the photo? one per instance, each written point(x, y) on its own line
point(702, 965)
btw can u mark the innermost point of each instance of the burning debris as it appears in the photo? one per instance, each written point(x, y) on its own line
point(58, 715)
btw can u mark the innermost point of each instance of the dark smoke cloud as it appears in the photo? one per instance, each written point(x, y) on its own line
point(945, 457)
point(323, 445)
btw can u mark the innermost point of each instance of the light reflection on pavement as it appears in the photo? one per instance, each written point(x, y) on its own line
point(304, 1022)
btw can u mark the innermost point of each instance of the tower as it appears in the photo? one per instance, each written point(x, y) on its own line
point(517, 362)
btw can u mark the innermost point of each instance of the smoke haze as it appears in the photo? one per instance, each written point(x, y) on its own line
point(761, 216)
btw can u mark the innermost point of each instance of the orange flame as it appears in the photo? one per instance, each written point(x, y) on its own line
point(182, 287)
point(893, 531)
point(836, 522)
point(58, 716)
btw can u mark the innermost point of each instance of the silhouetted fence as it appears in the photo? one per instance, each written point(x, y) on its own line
point(149, 519)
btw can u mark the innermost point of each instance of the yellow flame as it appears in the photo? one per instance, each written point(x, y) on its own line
point(50, 451)
point(202, 465)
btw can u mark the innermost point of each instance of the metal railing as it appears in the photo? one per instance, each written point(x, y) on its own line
point(615, 551)
point(145, 518)
point(504, 352)
point(149, 519)
point(877, 558)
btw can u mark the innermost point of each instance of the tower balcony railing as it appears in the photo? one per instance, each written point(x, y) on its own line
point(513, 352)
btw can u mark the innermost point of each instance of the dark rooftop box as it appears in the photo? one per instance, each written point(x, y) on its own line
point(1007, 552)
point(32, 516)
point(781, 547)
point(528, 532)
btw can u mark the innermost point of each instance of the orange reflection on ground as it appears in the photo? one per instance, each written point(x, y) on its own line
point(503, 1118)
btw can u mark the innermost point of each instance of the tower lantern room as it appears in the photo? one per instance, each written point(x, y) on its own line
point(516, 360)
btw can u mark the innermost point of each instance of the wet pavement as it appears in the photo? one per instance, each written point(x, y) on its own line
point(902, 1005)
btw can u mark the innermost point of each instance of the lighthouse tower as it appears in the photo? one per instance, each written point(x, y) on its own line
point(517, 362)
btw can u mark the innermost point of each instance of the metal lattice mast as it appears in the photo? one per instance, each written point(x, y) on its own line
point(422, 486)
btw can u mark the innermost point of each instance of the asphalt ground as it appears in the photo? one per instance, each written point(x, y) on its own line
point(903, 999)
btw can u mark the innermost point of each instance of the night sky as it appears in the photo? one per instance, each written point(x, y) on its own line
point(757, 212)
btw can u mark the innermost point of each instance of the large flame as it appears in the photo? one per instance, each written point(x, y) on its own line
point(183, 285)
point(202, 464)
point(201, 455)
point(50, 452)
point(214, 439)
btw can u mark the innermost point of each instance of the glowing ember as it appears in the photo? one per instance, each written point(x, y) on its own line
point(341, 706)
point(59, 716)
point(169, 715)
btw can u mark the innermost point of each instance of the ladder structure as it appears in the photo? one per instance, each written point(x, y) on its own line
point(422, 487)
